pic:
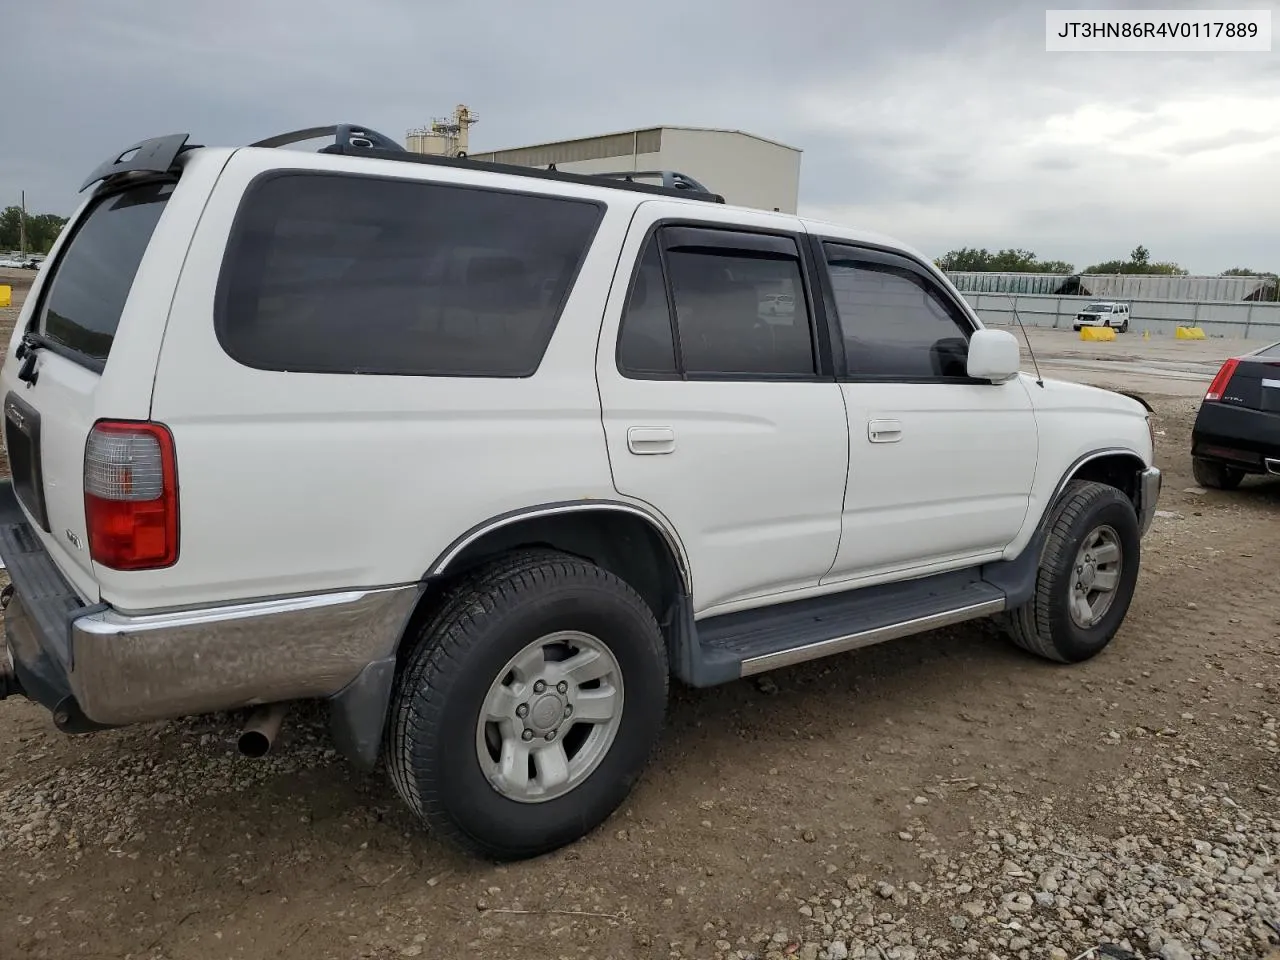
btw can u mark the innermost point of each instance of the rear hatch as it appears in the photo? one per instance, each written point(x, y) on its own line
point(53, 376)
point(1255, 384)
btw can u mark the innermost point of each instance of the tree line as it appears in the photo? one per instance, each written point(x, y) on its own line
point(42, 230)
point(970, 259)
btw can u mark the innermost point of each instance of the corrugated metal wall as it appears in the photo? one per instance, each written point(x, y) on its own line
point(573, 151)
point(1121, 286)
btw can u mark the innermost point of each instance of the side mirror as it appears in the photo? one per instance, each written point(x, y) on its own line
point(994, 356)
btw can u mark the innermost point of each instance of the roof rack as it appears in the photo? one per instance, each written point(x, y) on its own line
point(345, 136)
point(159, 154)
point(671, 179)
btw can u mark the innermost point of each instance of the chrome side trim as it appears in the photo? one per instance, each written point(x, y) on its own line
point(1272, 465)
point(128, 669)
point(558, 509)
point(867, 638)
point(111, 621)
point(1149, 482)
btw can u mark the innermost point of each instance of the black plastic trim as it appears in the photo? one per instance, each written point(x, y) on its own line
point(344, 135)
point(154, 155)
point(536, 173)
point(222, 291)
point(24, 418)
point(785, 247)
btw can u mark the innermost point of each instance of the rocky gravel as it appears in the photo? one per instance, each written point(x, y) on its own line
point(940, 797)
point(1189, 871)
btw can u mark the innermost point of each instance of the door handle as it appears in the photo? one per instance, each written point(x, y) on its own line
point(645, 441)
point(884, 431)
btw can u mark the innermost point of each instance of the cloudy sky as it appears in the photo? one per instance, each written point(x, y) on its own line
point(943, 122)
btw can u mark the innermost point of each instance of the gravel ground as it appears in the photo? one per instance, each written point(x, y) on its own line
point(867, 806)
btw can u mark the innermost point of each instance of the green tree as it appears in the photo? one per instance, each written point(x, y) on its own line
point(1139, 262)
point(42, 230)
point(971, 259)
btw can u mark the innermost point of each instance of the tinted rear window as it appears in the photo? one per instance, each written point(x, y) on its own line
point(93, 275)
point(349, 274)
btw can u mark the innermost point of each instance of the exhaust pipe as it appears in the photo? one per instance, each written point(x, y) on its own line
point(261, 729)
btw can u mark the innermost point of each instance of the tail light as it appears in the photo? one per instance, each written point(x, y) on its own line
point(1219, 385)
point(131, 495)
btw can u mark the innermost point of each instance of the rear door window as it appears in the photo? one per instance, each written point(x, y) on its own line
point(93, 275)
point(334, 273)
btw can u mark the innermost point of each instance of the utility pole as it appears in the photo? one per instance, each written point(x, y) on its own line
point(22, 226)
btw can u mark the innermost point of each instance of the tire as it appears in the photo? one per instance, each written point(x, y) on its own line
point(456, 665)
point(1124, 327)
point(1047, 625)
point(1216, 475)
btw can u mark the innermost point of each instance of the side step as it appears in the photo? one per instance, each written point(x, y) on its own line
point(755, 641)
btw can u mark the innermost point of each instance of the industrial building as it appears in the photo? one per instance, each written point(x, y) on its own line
point(1123, 286)
point(745, 169)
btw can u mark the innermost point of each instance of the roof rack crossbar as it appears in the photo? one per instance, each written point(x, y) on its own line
point(346, 136)
point(690, 189)
point(671, 179)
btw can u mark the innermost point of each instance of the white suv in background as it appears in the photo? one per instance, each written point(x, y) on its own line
point(483, 455)
point(1103, 313)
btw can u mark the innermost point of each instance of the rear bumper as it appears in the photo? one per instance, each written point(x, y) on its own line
point(1149, 483)
point(93, 666)
point(1238, 436)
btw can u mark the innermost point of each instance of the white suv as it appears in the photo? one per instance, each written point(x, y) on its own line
point(481, 455)
point(1103, 313)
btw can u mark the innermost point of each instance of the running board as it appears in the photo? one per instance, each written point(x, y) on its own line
point(756, 641)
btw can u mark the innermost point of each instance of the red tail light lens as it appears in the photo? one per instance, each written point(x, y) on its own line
point(1219, 385)
point(131, 496)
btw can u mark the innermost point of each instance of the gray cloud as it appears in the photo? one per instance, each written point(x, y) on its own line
point(941, 121)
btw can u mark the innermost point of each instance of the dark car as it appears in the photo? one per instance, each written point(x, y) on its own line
point(1237, 430)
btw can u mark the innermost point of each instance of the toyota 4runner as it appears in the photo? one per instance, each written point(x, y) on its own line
point(482, 455)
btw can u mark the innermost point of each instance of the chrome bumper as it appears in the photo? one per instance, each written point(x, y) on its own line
point(1149, 481)
point(130, 669)
point(119, 669)
point(93, 666)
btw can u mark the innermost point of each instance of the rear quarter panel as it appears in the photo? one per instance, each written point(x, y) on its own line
point(71, 398)
point(295, 483)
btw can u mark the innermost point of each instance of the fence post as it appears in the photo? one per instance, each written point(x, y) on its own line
point(1248, 320)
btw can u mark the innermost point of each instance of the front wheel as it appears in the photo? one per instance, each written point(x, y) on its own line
point(1088, 572)
point(528, 705)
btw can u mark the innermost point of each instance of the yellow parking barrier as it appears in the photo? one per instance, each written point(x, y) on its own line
point(1097, 333)
point(6, 295)
point(1189, 333)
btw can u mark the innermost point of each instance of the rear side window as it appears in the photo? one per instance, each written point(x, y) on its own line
point(95, 272)
point(1271, 351)
point(350, 274)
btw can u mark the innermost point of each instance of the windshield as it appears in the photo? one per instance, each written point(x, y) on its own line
point(1099, 308)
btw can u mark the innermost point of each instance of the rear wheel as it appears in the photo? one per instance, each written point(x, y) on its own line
point(1218, 476)
point(1088, 572)
point(528, 705)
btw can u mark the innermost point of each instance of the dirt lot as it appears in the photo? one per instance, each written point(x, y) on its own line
point(943, 796)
